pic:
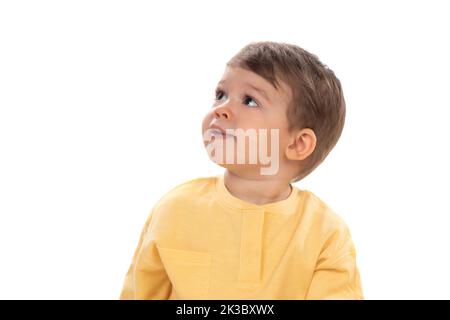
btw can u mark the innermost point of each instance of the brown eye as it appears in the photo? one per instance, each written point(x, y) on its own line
point(251, 99)
point(219, 94)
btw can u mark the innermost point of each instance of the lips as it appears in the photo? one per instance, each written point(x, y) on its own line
point(216, 129)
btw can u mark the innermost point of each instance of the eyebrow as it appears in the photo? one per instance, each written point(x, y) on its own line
point(261, 91)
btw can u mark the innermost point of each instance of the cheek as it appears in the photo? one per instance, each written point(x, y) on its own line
point(206, 121)
point(279, 136)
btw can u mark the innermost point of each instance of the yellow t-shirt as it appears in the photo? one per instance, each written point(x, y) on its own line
point(201, 242)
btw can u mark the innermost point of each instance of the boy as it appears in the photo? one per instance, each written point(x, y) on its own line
point(249, 233)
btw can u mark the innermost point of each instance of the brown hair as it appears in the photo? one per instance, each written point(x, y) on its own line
point(318, 101)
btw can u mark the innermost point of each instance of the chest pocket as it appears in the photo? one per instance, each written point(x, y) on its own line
point(188, 271)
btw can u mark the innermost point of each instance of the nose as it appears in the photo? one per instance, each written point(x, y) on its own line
point(222, 112)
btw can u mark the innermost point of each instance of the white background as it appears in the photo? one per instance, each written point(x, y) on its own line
point(101, 104)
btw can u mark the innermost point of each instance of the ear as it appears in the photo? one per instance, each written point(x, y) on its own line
point(302, 143)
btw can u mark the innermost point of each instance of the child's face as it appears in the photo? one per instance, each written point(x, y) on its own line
point(245, 100)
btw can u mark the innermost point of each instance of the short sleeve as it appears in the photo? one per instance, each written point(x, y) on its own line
point(146, 278)
point(336, 275)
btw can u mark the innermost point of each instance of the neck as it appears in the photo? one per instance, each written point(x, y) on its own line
point(257, 191)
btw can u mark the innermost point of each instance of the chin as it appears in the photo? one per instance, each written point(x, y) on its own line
point(242, 170)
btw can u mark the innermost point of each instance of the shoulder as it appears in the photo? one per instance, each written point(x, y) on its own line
point(186, 194)
point(324, 220)
point(189, 188)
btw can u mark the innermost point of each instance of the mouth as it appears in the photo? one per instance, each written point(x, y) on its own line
point(218, 131)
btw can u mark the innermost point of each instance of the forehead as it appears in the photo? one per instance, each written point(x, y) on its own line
point(243, 77)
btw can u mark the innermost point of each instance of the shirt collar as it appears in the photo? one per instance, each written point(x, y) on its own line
point(287, 206)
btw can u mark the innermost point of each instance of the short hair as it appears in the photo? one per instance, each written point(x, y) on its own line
point(317, 99)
